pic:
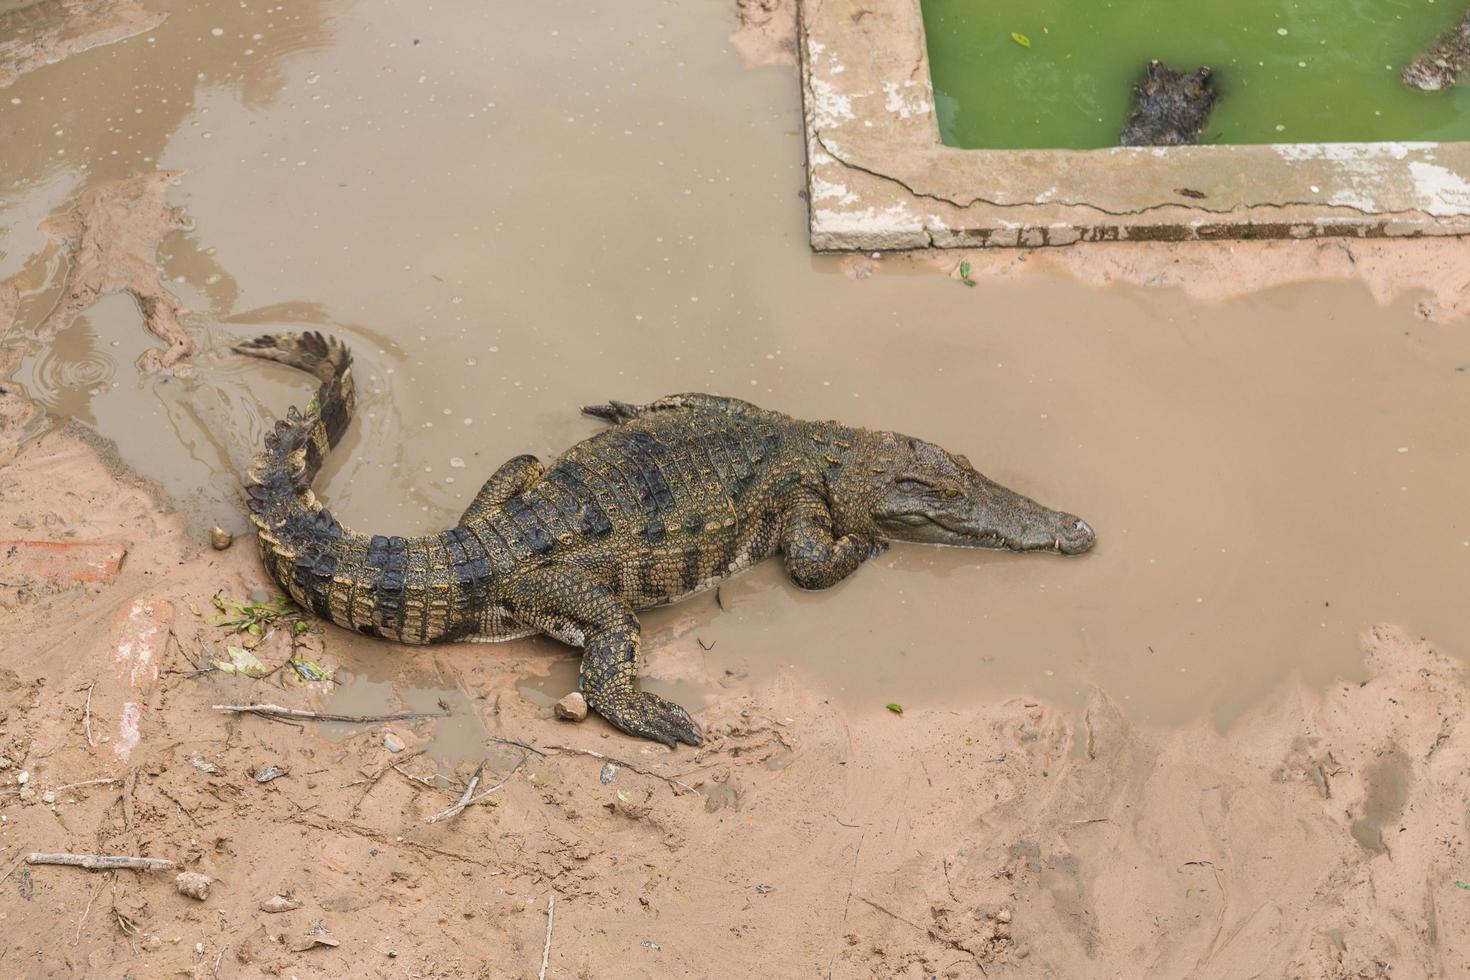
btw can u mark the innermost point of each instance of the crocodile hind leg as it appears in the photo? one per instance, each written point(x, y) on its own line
point(570, 604)
point(814, 559)
point(514, 477)
point(617, 412)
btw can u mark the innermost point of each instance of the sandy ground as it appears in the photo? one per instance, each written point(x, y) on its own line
point(1322, 836)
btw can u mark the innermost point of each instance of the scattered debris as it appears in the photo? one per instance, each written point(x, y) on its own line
point(895, 708)
point(650, 944)
point(271, 772)
point(392, 743)
point(100, 862)
point(219, 538)
point(203, 764)
point(279, 903)
point(573, 707)
point(193, 884)
point(609, 772)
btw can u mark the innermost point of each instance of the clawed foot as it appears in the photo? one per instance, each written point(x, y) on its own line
point(649, 716)
point(876, 547)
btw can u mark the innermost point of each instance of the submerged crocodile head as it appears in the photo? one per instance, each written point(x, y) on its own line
point(906, 489)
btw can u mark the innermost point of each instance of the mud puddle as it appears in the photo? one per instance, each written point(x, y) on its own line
point(507, 224)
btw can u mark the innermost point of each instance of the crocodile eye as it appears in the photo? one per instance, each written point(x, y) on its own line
point(950, 492)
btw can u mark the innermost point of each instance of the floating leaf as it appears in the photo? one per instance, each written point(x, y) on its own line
point(241, 661)
point(1021, 39)
point(1461, 884)
point(310, 671)
point(895, 708)
point(965, 269)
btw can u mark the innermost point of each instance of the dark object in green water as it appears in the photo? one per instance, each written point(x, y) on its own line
point(1441, 66)
point(671, 499)
point(1169, 107)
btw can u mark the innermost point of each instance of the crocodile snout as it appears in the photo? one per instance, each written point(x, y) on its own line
point(1075, 537)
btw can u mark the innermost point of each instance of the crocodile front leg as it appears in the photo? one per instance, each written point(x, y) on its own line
point(513, 478)
point(570, 604)
point(814, 559)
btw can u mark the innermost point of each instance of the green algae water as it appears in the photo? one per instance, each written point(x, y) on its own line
point(1308, 71)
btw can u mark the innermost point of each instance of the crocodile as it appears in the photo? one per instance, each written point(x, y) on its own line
point(1169, 107)
point(1444, 62)
point(672, 498)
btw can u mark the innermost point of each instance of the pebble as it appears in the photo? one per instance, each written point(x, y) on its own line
point(48, 797)
point(219, 538)
point(279, 903)
point(573, 707)
point(193, 884)
point(1004, 915)
point(23, 777)
point(270, 772)
point(392, 743)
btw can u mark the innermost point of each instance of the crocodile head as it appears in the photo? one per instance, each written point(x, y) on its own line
point(910, 490)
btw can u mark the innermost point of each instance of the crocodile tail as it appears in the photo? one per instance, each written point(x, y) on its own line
point(301, 542)
point(294, 451)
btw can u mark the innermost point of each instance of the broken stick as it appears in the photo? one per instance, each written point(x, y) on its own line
point(546, 950)
point(675, 783)
point(469, 798)
point(100, 862)
point(276, 711)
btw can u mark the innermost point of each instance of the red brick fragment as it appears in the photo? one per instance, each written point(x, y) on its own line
point(68, 561)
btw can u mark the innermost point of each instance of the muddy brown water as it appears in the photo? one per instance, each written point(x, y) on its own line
point(515, 210)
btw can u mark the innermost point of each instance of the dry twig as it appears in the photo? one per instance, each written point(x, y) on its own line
point(469, 798)
point(100, 862)
point(550, 920)
point(275, 711)
point(626, 765)
point(109, 781)
point(87, 717)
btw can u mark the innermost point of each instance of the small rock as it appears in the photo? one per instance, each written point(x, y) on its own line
point(609, 772)
point(573, 707)
point(203, 764)
point(270, 772)
point(318, 936)
point(23, 777)
point(27, 795)
point(279, 903)
point(1004, 915)
point(392, 743)
point(48, 797)
point(193, 884)
point(219, 538)
point(5, 762)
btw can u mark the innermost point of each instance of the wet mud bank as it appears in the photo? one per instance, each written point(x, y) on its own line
point(1008, 838)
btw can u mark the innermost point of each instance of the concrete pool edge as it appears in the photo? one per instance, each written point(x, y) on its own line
point(878, 177)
